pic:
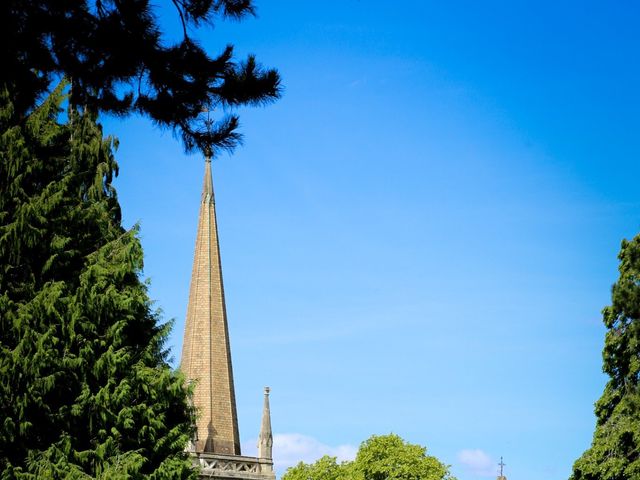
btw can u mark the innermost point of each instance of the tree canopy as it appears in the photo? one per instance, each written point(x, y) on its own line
point(85, 387)
point(384, 457)
point(615, 451)
point(114, 53)
point(325, 468)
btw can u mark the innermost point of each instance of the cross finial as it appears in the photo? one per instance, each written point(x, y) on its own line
point(502, 465)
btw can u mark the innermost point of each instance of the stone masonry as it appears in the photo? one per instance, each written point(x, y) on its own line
point(206, 360)
point(206, 353)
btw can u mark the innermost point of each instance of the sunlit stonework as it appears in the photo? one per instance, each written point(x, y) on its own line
point(206, 360)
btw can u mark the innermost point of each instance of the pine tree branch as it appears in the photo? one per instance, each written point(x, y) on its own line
point(178, 6)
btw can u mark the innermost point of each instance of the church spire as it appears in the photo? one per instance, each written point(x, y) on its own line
point(265, 440)
point(206, 353)
point(502, 465)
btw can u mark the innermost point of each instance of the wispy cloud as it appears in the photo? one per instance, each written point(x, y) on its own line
point(477, 462)
point(291, 448)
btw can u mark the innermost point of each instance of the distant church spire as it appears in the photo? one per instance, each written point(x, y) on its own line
point(265, 440)
point(502, 465)
point(206, 353)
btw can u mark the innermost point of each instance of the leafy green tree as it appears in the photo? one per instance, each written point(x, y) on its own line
point(389, 457)
point(615, 450)
point(119, 61)
point(384, 457)
point(326, 468)
point(85, 388)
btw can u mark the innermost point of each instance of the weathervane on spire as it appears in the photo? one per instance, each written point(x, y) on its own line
point(208, 123)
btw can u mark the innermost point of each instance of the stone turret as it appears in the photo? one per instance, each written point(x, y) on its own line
point(265, 440)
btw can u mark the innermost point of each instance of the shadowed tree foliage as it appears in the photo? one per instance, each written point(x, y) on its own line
point(85, 388)
point(615, 450)
point(115, 56)
point(384, 457)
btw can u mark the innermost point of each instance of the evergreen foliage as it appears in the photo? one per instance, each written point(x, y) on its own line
point(615, 450)
point(85, 388)
point(384, 457)
point(119, 62)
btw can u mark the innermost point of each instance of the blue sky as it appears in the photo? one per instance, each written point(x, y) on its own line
point(420, 235)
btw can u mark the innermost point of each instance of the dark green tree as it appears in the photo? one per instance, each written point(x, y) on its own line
point(615, 450)
point(118, 61)
point(85, 388)
point(381, 457)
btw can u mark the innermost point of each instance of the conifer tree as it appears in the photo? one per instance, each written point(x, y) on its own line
point(85, 388)
point(615, 450)
point(119, 60)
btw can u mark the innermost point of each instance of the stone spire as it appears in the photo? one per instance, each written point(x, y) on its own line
point(265, 440)
point(206, 353)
